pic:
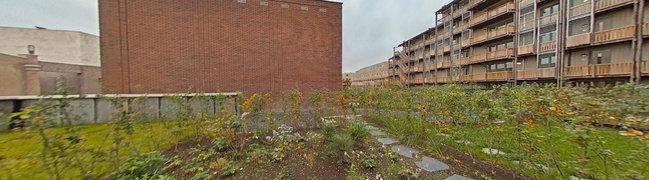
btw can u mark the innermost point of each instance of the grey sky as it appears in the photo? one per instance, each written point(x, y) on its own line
point(370, 27)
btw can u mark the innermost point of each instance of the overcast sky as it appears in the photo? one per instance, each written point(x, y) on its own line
point(370, 27)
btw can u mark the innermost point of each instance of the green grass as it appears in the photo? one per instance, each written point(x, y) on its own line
point(623, 163)
point(20, 150)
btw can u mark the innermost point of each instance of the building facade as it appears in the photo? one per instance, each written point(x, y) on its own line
point(42, 61)
point(374, 75)
point(251, 46)
point(515, 41)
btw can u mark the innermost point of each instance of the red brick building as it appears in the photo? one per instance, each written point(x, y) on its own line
point(251, 46)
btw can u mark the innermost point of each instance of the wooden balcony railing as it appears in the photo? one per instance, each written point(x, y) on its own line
point(625, 68)
point(500, 54)
point(527, 49)
point(476, 2)
point(615, 34)
point(502, 30)
point(431, 53)
point(578, 40)
point(479, 38)
point(446, 64)
point(466, 43)
point(447, 48)
point(418, 81)
point(527, 74)
point(548, 46)
point(478, 19)
point(478, 58)
point(536, 73)
point(645, 29)
point(603, 4)
point(464, 61)
point(475, 77)
point(459, 28)
point(548, 20)
point(644, 68)
point(499, 76)
point(579, 10)
point(443, 79)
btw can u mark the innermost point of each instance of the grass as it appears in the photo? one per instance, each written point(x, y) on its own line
point(20, 150)
point(506, 138)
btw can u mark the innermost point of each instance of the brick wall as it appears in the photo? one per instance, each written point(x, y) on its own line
point(252, 46)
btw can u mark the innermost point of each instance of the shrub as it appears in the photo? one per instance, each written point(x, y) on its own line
point(341, 143)
point(358, 132)
point(143, 167)
point(328, 130)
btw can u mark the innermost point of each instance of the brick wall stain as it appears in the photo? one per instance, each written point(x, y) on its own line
point(167, 46)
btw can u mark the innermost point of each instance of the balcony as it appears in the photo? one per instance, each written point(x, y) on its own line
point(475, 77)
point(446, 64)
point(548, 46)
point(578, 40)
point(499, 76)
point(479, 38)
point(447, 48)
point(502, 31)
point(579, 10)
point(418, 81)
point(443, 79)
point(508, 7)
point(615, 34)
point(605, 4)
point(431, 53)
point(645, 29)
point(527, 49)
point(536, 73)
point(526, 25)
point(417, 69)
point(459, 29)
point(644, 68)
point(613, 69)
point(548, 20)
point(477, 58)
point(466, 42)
point(500, 54)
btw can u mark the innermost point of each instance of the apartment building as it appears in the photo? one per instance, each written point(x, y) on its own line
point(516, 41)
point(373, 75)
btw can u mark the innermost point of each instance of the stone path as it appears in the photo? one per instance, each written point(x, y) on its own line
point(431, 165)
point(377, 133)
point(405, 151)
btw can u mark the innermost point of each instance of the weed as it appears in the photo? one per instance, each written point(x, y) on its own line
point(358, 132)
point(147, 165)
point(229, 170)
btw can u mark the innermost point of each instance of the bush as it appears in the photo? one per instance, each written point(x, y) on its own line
point(341, 143)
point(146, 166)
point(358, 132)
point(328, 130)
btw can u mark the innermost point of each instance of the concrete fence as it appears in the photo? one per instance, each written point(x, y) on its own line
point(99, 108)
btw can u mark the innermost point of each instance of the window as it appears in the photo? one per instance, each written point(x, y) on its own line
point(601, 57)
point(547, 60)
point(579, 26)
point(526, 38)
point(550, 10)
point(547, 37)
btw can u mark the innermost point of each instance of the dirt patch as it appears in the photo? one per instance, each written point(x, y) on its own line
point(375, 121)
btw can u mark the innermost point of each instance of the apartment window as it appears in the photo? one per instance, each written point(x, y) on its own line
point(547, 60)
point(547, 37)
point(500, 67)
point(579, 26)
point(550, 10)
point(526, 38)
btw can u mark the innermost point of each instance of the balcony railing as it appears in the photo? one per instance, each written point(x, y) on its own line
point(446, 64)
point(464, 61)
point(500, 54)
point(548, 46)
point(476, 2)
point(644, 68)
point(536, 73)
point(603, 4)
point(459, 28)
point(548, 20)
point(479, 38)
point(502, 31)
point(443, 79)
point(431, 53)
point(466, 42)
point(527, 49)
point(447, 48)
point(493, 13)
point(615, 34)
point(645, 29)
point(625, 68)
point(475, 77)
point(578, 40)
point(478, 58)
point(579, 10)
point(499, 76)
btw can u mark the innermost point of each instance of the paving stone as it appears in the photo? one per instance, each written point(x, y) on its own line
point(465, 142)
point(527, 165)
point(371, 127)
point(493, 151)
point(457, 177)
point(387, 141)
point(431, 164)
point(404, 151)
point(377, 133)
